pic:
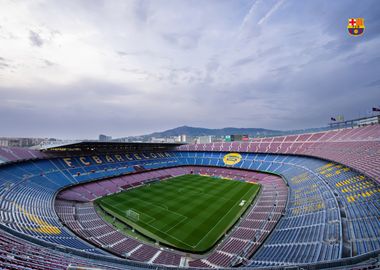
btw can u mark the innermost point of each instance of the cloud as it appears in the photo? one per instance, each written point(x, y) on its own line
point(121, 53)
point(244, 61)
point(184, 41)
point(373, 83)
point(270, 12)
point(134, 67)
point(35, 39)
point(3, 63)
point(49, 63)
point(249, 14)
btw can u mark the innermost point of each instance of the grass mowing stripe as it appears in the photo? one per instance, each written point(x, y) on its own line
point(190, 212)
point(222, 219)
point(152, 233)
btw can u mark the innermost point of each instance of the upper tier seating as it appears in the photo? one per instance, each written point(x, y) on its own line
point(8, 154)
point(358, 148)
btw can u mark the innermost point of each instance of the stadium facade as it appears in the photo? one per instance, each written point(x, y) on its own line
point(318, 206)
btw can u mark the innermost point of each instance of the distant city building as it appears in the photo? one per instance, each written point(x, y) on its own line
point(104, 138)
point(4, 142)
point(204, 139)
point(182, 138)
point(173, 139)
point(158, 140)
point(20, 142)
point(130, 139)
point(217, 139)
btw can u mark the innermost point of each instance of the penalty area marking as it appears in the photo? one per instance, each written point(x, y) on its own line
point(170, 236)
point(152, 219)
point(185, 218)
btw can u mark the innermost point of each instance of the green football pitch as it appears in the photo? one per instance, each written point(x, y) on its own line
point(189, 212)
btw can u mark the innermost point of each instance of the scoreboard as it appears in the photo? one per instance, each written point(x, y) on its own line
point(236, 137)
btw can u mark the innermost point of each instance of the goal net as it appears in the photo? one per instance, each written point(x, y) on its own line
point(132, 215)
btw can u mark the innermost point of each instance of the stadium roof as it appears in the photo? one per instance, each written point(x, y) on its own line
point(107, 147)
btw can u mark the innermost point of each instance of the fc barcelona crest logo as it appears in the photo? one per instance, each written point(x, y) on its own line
point(356, 26)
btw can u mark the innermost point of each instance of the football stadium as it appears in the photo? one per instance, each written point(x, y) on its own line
point(189, 134)
point(305, 201)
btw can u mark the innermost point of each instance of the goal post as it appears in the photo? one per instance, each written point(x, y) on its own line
point(132, 215)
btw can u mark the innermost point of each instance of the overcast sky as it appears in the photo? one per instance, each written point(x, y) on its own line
point(75, 69)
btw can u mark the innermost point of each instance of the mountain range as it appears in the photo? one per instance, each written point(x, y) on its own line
point(198, 131)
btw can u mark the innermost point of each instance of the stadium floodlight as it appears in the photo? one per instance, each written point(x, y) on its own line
point(132, 215)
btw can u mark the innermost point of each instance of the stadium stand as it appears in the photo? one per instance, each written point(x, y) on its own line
point(16, 253)
point(9, 154)
point(358, 147)
point(323, 212)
